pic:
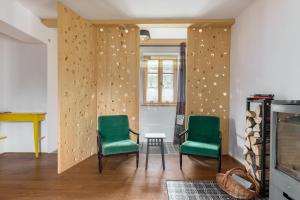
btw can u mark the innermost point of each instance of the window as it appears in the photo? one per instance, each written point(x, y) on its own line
point(160, 78)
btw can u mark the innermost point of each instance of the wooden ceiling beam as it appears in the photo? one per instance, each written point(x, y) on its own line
point(205, 22)
point(162, 42)
point(52, 23)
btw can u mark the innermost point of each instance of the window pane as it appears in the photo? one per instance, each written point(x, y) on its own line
point(152, 88)
point(152, 80)
point(168, 66)
point(168, 88)
point(152, 66)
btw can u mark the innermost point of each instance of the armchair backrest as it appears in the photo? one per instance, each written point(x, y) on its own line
point(204, 129)
point(113, 127)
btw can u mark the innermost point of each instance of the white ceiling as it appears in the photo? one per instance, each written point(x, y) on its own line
point(140, 9)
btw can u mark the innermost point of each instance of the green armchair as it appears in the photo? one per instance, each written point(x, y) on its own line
point(203, 138)
point(114, 138)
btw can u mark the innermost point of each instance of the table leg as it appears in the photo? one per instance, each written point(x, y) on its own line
point(36, 138)
point(147, 153)
point(162, 152)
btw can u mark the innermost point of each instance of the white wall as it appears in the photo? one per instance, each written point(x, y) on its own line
point(21, 24)
point(265, 52)
point(156, 119)
point(24, 89)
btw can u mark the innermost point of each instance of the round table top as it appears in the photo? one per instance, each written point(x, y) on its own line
point(155, 135)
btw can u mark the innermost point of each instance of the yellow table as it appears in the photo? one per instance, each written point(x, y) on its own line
point(35, 118)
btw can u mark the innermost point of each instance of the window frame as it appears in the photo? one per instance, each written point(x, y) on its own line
point(160, 73)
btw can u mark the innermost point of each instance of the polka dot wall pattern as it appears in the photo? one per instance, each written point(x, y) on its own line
point(208, 74)
point(118, 71)
point(77, 87)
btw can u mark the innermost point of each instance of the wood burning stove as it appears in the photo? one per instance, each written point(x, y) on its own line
point(285, 150)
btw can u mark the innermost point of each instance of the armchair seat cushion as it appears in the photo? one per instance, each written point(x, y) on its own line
point(117, 147)
point(200, 149)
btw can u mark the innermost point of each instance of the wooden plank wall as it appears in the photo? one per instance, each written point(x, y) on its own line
point(208, 53)
point(99, 75)
point(77, 88)
point(118, 71)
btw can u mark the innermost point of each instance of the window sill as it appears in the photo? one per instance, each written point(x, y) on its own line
point(159, 104)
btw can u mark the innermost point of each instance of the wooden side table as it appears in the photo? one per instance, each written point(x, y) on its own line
point(35, 118)
point(155, 139)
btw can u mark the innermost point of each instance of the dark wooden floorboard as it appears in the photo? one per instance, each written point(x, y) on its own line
point(22, 177)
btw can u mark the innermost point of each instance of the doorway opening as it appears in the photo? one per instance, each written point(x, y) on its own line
point(160, 79)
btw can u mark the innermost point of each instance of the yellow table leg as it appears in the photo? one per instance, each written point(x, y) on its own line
point(36, 138)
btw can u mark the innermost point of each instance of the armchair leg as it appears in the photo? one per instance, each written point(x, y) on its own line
point(220, 159)
point(100, 163)
point(180, 160)
point(137, 160)
point(219, 163)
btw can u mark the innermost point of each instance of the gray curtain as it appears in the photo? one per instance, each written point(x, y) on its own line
point(180, 108)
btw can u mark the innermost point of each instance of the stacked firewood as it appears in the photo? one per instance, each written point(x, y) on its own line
point(253, 145)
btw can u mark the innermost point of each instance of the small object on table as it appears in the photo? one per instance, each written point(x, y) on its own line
point(155, 139)
point(261, 96)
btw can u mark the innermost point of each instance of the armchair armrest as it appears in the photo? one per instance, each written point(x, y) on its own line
point(137, 134)
point(180, 136)
point(133, 132)
point(182, 133)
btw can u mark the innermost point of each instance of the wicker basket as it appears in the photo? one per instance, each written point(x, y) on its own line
point(235, 189)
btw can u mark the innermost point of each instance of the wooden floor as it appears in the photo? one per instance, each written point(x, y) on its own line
point(23, 177)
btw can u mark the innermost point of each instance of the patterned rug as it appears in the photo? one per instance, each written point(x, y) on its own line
point(197, 190)
point(169, 148)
